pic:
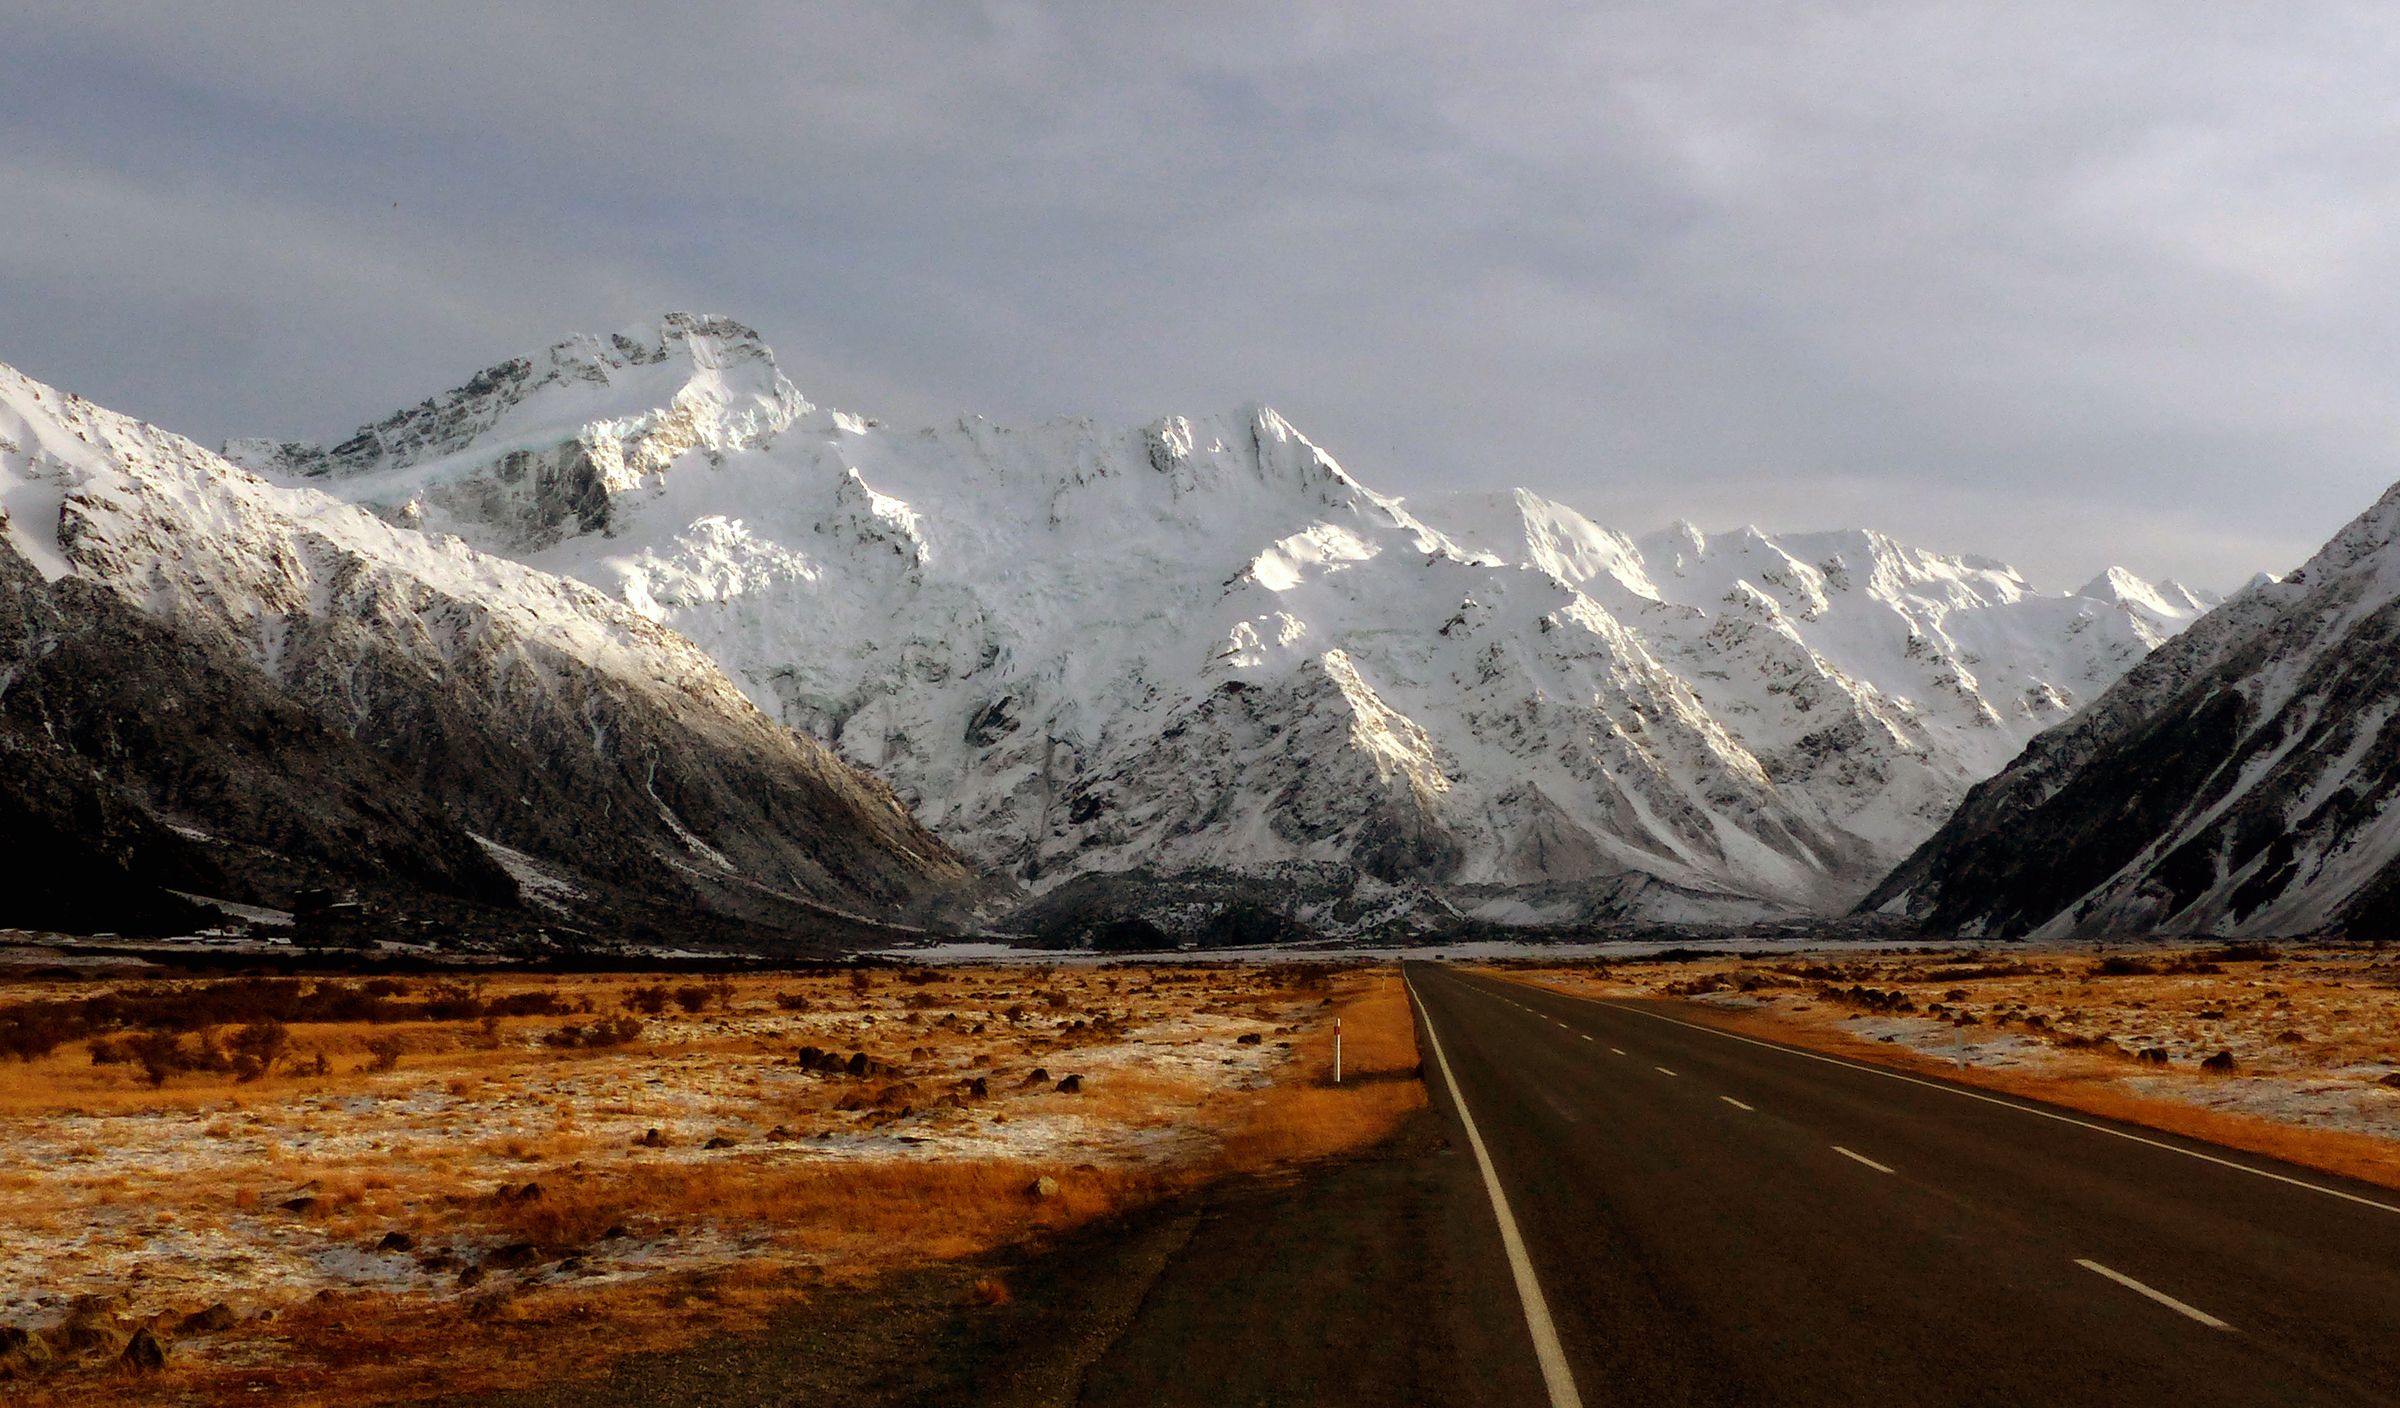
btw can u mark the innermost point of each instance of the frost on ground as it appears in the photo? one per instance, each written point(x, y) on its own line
point(445, 1139)
point(2307, 1037)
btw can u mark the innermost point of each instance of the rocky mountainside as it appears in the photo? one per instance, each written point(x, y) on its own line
point(297, 691)
point(1202, 648)
point(2240, 781)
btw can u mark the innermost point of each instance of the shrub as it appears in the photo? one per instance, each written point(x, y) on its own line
point(387, 1051)
point(257, 1047)
point(608, 1031)
point(651, 1000)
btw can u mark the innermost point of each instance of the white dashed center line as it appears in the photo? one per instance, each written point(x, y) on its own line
point(1662, 1070)
point(1619, 1051)
point(1879, 1168)
point(1587, 1038)
point(1734, 1103)
point(2161, 1297)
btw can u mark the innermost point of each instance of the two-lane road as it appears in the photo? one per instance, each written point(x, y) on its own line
point(1708, 1219)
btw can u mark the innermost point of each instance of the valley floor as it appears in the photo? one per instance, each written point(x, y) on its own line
point(407, 1203)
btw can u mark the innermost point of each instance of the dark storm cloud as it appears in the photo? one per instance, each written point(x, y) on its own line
point(2065, 284)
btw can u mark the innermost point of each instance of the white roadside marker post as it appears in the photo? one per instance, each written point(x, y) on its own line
point(1337, 1051)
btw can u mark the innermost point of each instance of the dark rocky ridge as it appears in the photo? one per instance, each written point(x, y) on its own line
point(323, 697)
point(2233, 783)
point(115, 729)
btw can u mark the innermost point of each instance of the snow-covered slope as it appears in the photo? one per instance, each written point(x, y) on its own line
point(530, 709)
point(1203, 644)
point(2240, 781)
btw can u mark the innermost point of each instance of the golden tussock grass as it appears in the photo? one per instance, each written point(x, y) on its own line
point(488, 1112)
point(1309, 1116)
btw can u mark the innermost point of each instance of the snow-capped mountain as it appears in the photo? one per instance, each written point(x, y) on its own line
point(2240, 781)
point(1203, 645)
point(385, 695)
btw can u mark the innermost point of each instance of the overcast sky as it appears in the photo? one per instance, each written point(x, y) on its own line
point(2064, 284)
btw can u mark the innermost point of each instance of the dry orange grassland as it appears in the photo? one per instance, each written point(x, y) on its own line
point(2311, 1037)
point(400, 1208)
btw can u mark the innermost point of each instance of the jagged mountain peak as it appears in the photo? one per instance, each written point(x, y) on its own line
point(638, 399)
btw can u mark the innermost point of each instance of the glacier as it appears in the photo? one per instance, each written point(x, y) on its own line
point(1203, 647)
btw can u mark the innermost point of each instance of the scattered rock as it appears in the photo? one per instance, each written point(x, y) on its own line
point(471, 1277)
point(214, 1320)
point(986, 1291)
point(514, 1255)
point(530, 1193)
point(2153, 1056)
point(653, 1140)
point(143, 1354)
point(1037, 1076)
point(2220, 1064)
point(1248, 1039)
point(980, 1088)
point(396, 1242)
point(2392, 1079)
point(1072, 1085)
point(720, 1142)
point(1043, 1187)
point(297, 1204)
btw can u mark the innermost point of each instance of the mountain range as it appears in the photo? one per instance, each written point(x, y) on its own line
point(1132, 667)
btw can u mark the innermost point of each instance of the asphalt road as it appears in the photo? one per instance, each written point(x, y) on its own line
point(1715, 1220)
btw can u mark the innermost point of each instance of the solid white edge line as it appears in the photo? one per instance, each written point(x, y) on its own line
point(1854, 1154)
point(2008, 1105)
point(1735, 1103)
point(2161, 1297)
point(1546, 1348)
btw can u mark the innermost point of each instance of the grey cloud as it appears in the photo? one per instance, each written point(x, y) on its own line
point(2064, 284)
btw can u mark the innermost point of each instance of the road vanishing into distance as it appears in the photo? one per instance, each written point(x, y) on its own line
point(1632, 1209)
point(1607, 1204)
